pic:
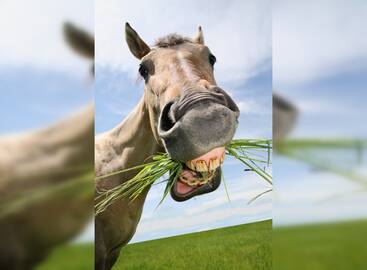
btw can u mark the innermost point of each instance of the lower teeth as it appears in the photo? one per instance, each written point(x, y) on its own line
point(206, 177)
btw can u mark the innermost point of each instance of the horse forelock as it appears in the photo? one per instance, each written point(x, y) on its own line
point(171, 40)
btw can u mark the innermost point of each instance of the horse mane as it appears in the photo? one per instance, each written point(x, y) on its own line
point(171, 40)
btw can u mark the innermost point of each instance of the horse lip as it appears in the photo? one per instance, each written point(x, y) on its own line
point(211, 186)
point(185, 196)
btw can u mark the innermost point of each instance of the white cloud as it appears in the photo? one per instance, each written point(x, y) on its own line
point(314, 39)
point(317, 197)
point(313, 187)
point(183, 222)
point(238, 32)
point(354, 207)
point(31, 33)
point(243, 196)
point(324, 106)
point(321, 106)
point(251, 106)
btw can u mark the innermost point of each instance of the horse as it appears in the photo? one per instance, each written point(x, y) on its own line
point(183, 112)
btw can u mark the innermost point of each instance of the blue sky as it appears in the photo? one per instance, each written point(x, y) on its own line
point(36, 98)
point(43, 79)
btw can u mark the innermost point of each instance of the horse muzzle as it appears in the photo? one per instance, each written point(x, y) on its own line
point(195, 128)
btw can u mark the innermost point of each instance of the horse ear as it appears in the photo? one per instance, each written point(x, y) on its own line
point(136, 45)
point(199, 38)
point(81, 41)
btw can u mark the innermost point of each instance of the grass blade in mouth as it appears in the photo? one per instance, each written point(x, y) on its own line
point(250, 152)
point(148, 174)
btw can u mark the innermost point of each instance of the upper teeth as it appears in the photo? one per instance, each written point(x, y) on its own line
point(202, 166)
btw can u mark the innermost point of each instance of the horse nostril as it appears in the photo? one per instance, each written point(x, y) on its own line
point(217, 90)
point(165, 121)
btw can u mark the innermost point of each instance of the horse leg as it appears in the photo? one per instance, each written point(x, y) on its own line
point(112, 258)
point(100, 258)
point(100, 251)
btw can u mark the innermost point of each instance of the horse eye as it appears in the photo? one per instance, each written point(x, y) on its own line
point(212, 59)
point(143, 71)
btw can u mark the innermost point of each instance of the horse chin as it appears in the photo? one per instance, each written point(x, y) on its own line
point(182, 191)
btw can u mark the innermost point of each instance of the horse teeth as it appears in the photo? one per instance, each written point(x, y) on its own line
point(212, 164)
point(201, 166)
point(190, 164)
point(217, 163)
point(204, 166)
point(183, 179)
point(193, 166)
point(194, 183)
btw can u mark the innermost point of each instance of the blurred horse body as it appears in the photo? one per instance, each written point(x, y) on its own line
point(46, 190)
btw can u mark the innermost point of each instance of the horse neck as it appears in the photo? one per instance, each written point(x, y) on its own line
point(131, 143)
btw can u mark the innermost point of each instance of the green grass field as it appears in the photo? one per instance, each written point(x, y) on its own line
point(336, 246)
point(240, 247)
point(71, 257)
